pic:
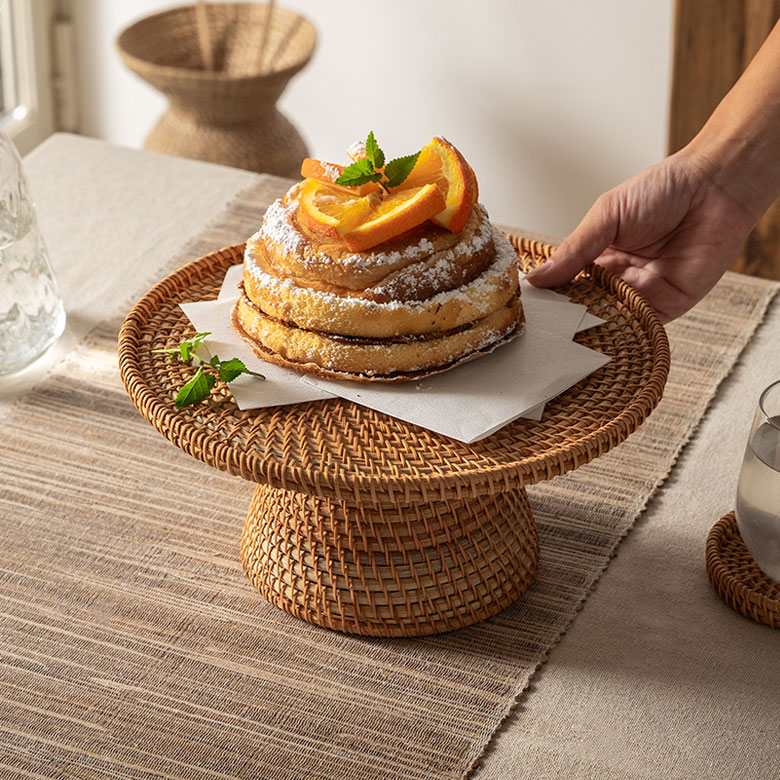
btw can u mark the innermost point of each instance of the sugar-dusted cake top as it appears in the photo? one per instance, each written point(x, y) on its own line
point(306, 255)
point(371, 201)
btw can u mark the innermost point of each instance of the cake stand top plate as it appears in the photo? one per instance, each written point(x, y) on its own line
point(337, 449)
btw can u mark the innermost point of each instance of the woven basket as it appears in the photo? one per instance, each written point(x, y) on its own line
point(366, 524)
point(227, 115)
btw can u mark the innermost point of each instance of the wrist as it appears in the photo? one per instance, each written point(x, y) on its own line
point(744, 166)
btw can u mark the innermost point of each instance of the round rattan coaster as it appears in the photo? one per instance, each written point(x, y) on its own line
point(737, 578)
point(366, 524)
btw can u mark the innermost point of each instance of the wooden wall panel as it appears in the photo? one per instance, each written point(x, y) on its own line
point(714, 40)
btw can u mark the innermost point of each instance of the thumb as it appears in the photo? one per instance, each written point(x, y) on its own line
point(589, 239)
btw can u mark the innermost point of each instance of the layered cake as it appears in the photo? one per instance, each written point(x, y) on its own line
point(394, 276)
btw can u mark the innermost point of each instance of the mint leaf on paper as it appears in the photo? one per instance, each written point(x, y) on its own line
point(185, 350)
point(196, 389)
point(397, 170)
point(233, 368)
point(375, 155)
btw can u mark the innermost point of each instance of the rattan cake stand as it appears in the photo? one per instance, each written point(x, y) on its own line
point(369, 525)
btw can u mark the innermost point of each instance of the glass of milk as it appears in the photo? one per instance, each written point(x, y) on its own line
point(758, 491)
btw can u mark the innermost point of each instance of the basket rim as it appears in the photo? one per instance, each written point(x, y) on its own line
point(193, 75)
point(202, 444)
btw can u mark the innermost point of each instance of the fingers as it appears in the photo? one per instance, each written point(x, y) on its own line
point(591, 237)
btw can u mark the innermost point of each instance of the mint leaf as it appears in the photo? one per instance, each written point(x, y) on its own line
point(360, 172)
point(196, 389)
point(364, 165)
point(185, 349)
point(203, 383)
point(357, 179)
point(374, 154)
point(198, 338)
point(231, 369)
point(397, 170)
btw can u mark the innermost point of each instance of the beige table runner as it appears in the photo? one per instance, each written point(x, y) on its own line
point(132, 645)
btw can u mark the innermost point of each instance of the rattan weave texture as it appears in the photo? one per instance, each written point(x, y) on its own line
point(227, 115)
point(402, 572)
point(737, 578)
point(366, 524)
point(163, 49)
point(339, 450)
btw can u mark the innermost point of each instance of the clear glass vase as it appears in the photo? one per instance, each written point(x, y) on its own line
point(32, 316)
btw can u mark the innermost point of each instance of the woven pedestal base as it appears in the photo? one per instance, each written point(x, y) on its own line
point(390, 571)
point(737, 578)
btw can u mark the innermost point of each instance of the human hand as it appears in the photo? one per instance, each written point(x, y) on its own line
point(670, 232)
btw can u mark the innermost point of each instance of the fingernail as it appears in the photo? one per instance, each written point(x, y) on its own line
point(545, 266)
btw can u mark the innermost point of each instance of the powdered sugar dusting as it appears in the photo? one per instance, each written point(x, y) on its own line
point(412, 280)
point(356, 150)
point(280, 228)
point(331, 170)
point(474, 293)
point(435, 276)
point(422, 249)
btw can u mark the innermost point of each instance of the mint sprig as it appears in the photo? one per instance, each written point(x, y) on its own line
point(186, 349)
point(398, 170)
point(201, 385)
point(372, 168)
point(360, 172)
point(374, 154)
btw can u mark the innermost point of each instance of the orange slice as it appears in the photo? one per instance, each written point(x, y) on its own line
point(442, 164)
point(329, 209)
point(460, 185)
point(356, 150)
point(320, 170)
point(328, 172)
point(396, 213)
point(476, 184)
point(427, 170)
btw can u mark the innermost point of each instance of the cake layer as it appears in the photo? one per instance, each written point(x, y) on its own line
point(439, 272)
point(404, 357)
point(351, 315)
point(420, 303)
point(286, 249)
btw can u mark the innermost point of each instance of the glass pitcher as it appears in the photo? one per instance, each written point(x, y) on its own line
point(32, 316)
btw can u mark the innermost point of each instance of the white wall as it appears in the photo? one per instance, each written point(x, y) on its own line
point(552, 102)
